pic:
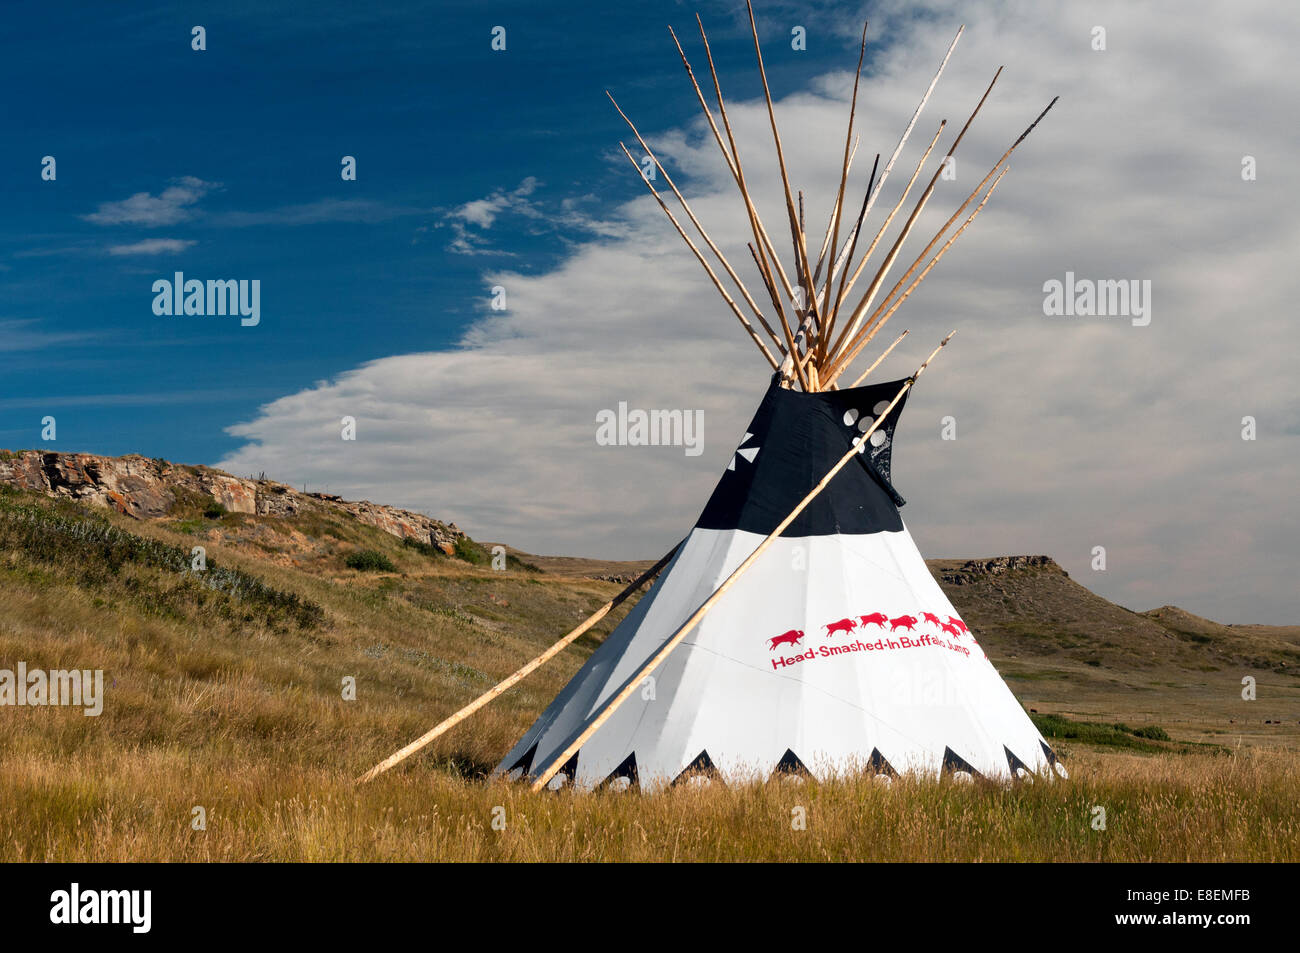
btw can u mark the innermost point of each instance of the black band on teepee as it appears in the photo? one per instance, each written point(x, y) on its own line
point(792, 442)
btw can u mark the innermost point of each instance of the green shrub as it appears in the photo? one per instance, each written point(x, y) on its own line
point(421, 547)
point(214, 510)
point(1154, 732)
point(471, 552)
point(514, 562)
point(1115, 735)
point(1088, 732)
point(369, 560)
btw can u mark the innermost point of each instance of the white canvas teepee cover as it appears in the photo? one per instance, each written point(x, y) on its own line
point(836, 652)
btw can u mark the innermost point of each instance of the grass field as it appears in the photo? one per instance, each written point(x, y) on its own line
point(136, 804)
point(225, 692)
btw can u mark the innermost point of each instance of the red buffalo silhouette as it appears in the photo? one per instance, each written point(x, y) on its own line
point(844, 625)
point(958, 623)
point(876, 618)
point(950, 629)
point(793, 637)
point(902, 622)
point(931, 617)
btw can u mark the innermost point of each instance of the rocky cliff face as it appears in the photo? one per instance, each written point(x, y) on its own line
point(967, 572)
point(149, 489)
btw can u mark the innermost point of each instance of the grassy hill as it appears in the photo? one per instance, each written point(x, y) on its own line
point(1066, 650)
point(224, 691)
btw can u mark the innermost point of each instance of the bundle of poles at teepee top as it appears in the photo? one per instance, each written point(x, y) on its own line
point(823, 326)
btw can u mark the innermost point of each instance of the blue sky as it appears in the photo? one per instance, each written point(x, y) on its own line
point(478, 168)
point(248, 135)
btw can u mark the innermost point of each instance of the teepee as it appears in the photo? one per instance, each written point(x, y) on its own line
point(796, 628)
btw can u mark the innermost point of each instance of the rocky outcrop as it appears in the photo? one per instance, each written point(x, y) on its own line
point(971, 569)
point(404, 523)
point(622, 578)
point(131, 485)
point(151, 489)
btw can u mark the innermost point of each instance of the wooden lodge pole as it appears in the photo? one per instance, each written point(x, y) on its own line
point(897, 341)
point(496, 690)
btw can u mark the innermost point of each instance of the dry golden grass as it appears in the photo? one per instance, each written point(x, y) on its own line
point(137, 805)
point(207, 705)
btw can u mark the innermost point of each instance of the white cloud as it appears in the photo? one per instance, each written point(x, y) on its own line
point(152, 246)
point(483, 212)
point(466, 242)
point(174, 204)
point(470, 222)
point(1072, 433)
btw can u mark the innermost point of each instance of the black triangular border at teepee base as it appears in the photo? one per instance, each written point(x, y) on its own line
point(702, 766)
point(880, 766)
point(791, 766)
point(570, 771)
point(953, 763)
point(525, 763)
point(1016, 765)
point(1058, 767)
point(627, 769)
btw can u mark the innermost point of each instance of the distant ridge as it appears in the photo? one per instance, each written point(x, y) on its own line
point(146, 488)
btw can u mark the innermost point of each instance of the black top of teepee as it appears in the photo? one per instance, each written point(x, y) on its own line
point(792, 442)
